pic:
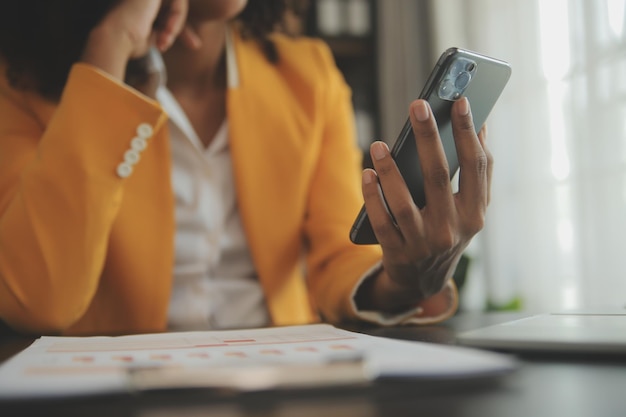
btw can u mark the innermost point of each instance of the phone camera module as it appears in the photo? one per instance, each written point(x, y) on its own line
point(457, 79)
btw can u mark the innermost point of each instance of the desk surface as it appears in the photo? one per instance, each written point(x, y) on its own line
point(544, 385)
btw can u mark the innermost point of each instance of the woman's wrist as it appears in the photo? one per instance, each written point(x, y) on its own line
point(381, 293)
point(109, 50)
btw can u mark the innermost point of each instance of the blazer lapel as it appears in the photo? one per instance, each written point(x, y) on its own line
point(271, 158)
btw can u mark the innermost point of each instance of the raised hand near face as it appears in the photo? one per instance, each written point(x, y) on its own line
point(130, 29)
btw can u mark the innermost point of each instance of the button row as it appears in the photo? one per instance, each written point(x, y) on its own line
point(137, 145)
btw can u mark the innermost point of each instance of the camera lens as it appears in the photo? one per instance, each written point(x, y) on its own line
point(457, 67)
point(446, 90)
point(462, 80)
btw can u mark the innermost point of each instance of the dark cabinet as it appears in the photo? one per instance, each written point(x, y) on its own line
point(349, 27)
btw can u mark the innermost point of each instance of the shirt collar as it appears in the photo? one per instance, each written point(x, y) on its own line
point(156, 88)
point(232, 70)
point(157, 75)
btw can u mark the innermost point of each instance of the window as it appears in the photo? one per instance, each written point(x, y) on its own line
point(556, 228)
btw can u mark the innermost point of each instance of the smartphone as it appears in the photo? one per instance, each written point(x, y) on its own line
point(458, 73)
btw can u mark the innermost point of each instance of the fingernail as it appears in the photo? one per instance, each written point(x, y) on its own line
point(420, 110)
point(463, 107)
point(368, 176)
point(379, 150)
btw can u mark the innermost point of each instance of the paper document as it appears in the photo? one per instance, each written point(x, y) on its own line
point(253, 359)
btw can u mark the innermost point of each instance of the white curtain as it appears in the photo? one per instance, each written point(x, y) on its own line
point(404, 60)
point(556, 229)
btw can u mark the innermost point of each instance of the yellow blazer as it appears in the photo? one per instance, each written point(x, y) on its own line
point(86, 251)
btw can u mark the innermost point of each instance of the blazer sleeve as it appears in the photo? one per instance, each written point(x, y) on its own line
point(336, 266)
point(60, 188)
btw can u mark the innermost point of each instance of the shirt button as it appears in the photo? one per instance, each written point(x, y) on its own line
point(144, 131)
point(138, 144)
point(131, 157)
point(124, 170)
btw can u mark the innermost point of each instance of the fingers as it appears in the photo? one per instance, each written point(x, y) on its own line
point(380, 218)
point(447, 219)
point(173, 15)
point(482, 137)
point(474, 167)
point(435, 170)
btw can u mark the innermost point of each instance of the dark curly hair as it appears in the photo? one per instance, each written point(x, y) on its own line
point(41, 39)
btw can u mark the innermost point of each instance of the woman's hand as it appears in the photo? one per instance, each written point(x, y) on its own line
point(130, 29)
point(422, 248)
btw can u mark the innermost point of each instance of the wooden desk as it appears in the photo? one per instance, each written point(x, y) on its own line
point(545, 385)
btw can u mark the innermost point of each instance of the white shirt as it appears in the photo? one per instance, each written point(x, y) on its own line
point(215, 284)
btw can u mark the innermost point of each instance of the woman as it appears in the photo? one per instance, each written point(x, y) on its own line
point(117, 219)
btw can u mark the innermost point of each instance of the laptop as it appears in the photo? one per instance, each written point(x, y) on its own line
point(577, 331)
